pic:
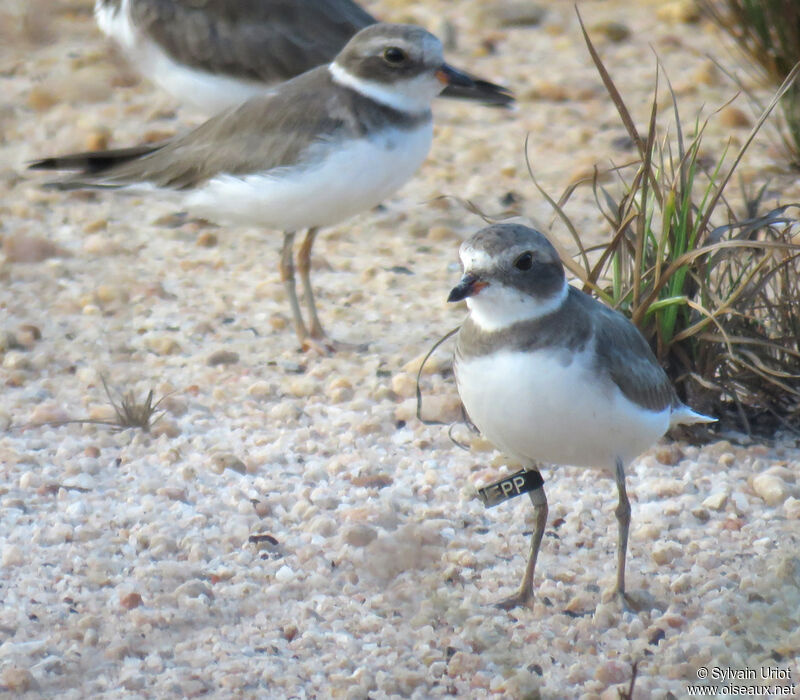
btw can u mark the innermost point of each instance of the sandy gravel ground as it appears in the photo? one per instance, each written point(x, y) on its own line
point(289, 529)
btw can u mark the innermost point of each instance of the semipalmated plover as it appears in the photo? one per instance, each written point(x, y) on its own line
point(549, 374)
point(322, 147)
point(218, 53)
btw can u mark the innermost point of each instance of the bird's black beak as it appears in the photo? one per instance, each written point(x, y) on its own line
point(469, 286)
point(450, 76)
point(462, 85)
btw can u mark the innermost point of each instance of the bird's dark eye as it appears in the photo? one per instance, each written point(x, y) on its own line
point(394, 56)
point(524, 261)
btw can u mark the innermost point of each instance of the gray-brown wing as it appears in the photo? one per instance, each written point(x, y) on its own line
point(260, 40)
point(266, 132)
point(630, 361)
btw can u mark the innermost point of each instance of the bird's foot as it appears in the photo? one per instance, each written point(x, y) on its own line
point(628, 602)
point(322, 345)
point(521, 599)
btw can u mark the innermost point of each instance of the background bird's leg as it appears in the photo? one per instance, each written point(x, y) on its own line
point(287, 277)
point(304, 268)
point(524, 596)
point(623, 513)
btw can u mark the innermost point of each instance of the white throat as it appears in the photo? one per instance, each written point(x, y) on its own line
point(497, 307)
point(412, 96)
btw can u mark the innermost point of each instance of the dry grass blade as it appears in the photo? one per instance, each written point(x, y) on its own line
point(616, 97)
point(767, 33)
point(718, 304)
point(575, 269)
point(756, 128)
point(473, 208)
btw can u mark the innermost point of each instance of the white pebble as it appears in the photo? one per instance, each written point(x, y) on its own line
point(791, 507)
point(12, 555)
point(665, 552)
point(739, 501)
point(681, 584)
point(716, 501)
point(284, 574)
point(770, 488)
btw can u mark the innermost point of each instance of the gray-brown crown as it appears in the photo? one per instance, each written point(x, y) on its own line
point(388, 53)
point(515, 256)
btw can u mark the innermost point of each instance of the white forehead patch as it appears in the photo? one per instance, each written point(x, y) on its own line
point(473, 259)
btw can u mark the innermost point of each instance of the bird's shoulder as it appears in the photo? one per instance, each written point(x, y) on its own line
point(265, 133)
point(623, 354)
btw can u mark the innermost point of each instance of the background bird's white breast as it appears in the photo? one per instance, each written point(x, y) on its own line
point(349, 177)
point(208, 92)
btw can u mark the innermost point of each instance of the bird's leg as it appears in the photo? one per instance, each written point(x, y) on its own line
point(524, 597)
point(317, 339)
point(304, 268)
point(287, 277)
point(623, 513)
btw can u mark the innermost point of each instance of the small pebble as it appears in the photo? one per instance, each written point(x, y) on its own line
point(260, 390)
point(99, 245)
point(194, 589)
point(791, 507)
point(221, 462)
point(669, 454)
point(16, 360)
point(207, 240)
point(612, 672)
point(18, 680)
point(770, 488)
point(740, 504)
point(734, 118)
point(359, 535)
point(684, 11)
point(665, 552)
point(12, 555)
point(614, 31)
point(716, 501)
point(681, 584)
point(222, 357)
point(284, 574)
point(130, 601)
point(48, 413)
point(163, 345)
point(512, 13)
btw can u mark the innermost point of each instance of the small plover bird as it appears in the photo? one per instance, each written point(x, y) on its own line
point(549, 374)
point(219, 53)
point(322, 147)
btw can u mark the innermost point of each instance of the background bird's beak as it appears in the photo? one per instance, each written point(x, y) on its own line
point(464, 86)
point(450, 76)
point(469, 286)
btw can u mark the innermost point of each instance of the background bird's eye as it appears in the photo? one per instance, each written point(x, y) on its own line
point(524, 261)
point(394, 55)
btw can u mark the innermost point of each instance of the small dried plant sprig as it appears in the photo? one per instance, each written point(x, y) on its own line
point(128, 412)
point(131, 413)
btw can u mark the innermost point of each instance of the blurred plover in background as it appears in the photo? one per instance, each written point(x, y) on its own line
point(333, 142)
point(219, 53)
point(548, 374)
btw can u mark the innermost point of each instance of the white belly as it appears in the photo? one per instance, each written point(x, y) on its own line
point(353, 178)
point(207, 92)
point(541, 407)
